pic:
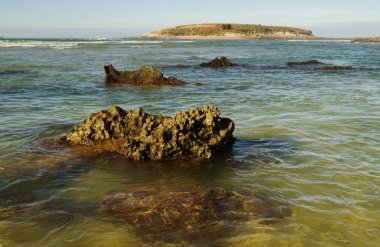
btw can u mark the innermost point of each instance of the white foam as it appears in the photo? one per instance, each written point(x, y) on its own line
point(35, 43)
point(320, 40)
point(141, 42)
point(182, 41)
point(46, 44)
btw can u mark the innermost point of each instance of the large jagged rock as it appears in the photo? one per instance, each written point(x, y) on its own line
point(189, 212)
point(336, 68)
point(310, 62)
point(218, 62)
point(196, 133)
point(142, 76)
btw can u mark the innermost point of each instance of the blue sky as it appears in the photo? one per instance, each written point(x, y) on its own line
point(118, 18)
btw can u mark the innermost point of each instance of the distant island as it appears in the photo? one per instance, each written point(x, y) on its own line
point(230, 31)
point(367, 40)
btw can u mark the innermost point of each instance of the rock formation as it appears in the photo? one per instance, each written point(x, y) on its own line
point(310, 62)
point(217, 62)
point(161, 212)
point(230, 31)
point(317, 64)
point(142, 76)
point(196, 133)
point(366, 40)
point(336, 68)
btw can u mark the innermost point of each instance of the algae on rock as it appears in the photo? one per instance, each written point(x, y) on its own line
point(159, 212)
point(217, 62)
point(142, 76)
point(196, 133)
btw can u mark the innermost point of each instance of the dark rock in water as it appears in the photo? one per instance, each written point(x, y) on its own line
point(336, 68)
point(189, 213)
point(196, 133)
point(218, 62)
point(310, 62)
point(142, 76)
point(11, 198)
point(13, 204)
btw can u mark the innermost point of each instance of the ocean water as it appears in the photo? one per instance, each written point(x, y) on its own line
point(306, 139)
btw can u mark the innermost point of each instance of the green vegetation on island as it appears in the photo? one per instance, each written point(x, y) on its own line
point(232, 31)
point(368, 40)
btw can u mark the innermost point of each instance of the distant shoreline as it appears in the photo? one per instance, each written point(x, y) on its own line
point(229, 31)
point(226, 31)
point(200, 37)
point(366, 40)
point(211, 37)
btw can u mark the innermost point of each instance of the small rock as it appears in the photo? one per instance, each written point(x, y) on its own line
point(310, 62)
point(142, 76)
point(218, 62)
point(336, 68)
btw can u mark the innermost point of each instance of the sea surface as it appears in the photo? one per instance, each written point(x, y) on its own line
point(306, 139)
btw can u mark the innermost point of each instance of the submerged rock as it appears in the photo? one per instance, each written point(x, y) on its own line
point(196, 133)
point(336, 68)
point(142, 76)
point(310, 62)
point(218, 62)
point(14, 204)
point(189, 212)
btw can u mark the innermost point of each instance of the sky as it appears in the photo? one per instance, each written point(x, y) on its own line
point(124, 18)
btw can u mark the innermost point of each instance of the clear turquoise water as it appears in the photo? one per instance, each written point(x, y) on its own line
point(306, 138)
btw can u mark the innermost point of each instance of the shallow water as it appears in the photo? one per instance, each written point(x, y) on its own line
point(307, 139)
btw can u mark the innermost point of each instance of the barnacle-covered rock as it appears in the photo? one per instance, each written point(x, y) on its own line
point(142, 76)
point(196, 133)
point(217, 62)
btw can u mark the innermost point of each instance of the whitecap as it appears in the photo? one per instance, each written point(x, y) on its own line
point(141, 42)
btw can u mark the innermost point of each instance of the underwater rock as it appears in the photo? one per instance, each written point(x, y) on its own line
point(217, 62)
point(310, 62)
point(336, 68)
point(189, 212)
point(142, 76)
point(196, 133)
point(14, 204)
point(10, 198)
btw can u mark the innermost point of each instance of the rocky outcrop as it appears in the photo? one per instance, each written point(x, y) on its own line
point(336, 68)
point(142, 76)
point(217, 62)
point(189, 212)
point(366, 40)
point(229, 31)
point(318, 65)
point(196, 133)
point(310, 62)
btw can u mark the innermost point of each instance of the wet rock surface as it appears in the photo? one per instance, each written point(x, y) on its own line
point(196, 133)
point(336, 68)
point(310, 62)
point(142, 76)
point(217, 63)
point(318, 65)
point(189, 213)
